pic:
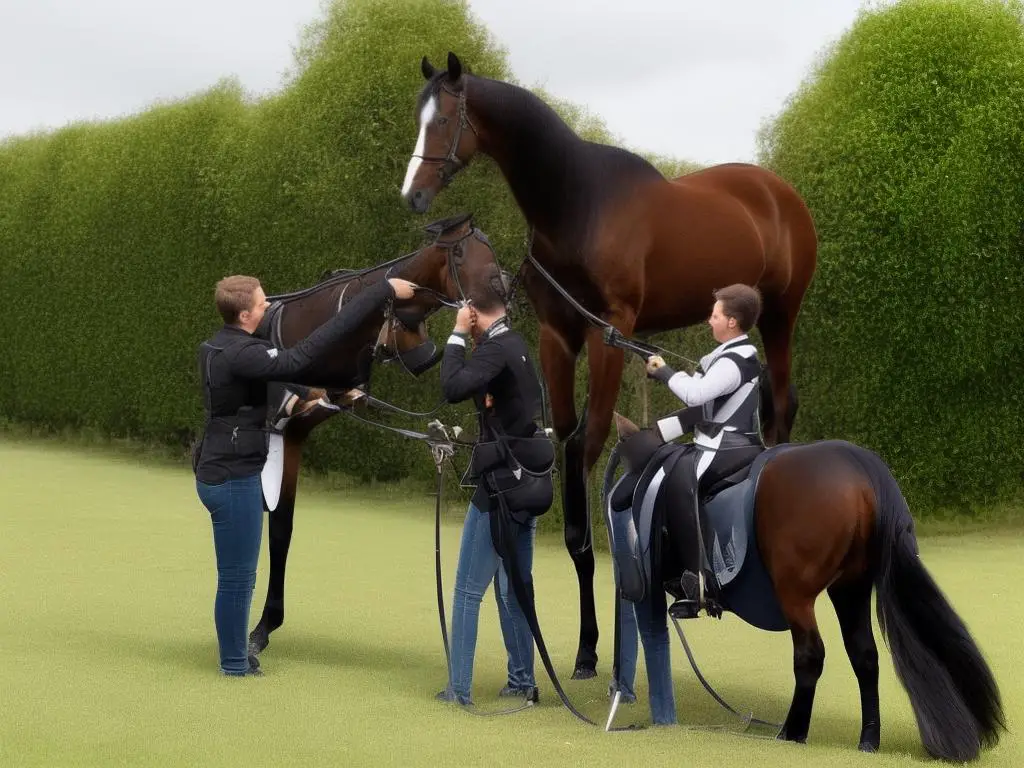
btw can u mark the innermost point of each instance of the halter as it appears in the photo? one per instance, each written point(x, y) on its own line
point(455, 259)
point(451, 163)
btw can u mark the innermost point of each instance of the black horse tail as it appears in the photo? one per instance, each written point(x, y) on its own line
point(952, 691)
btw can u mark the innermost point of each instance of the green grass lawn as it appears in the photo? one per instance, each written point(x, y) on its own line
point(108, 653)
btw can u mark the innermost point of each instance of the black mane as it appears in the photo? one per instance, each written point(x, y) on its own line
point(558, 179)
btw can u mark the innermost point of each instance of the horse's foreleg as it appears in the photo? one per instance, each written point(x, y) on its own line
point(853, 607)
point(280, 533)
point(776, 326)
point(558, 354)
point(605, 368)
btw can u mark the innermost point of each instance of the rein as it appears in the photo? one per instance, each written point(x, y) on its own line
point(612, 336)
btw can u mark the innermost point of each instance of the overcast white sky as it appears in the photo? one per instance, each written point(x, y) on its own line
point(688, 79)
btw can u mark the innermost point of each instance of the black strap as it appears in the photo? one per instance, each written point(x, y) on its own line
point(503, 538)
point(441, 453)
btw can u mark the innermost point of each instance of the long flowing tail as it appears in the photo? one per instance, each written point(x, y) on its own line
point(954, 696)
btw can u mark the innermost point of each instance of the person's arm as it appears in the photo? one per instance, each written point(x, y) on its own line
point(262, 363)
point(462, 378)
point(722, 378)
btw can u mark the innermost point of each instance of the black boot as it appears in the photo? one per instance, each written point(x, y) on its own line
point(691, 598)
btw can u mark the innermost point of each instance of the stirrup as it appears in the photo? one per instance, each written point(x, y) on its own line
point(694, 598)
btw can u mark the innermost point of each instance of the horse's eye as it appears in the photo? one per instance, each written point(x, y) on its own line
point(442, 120)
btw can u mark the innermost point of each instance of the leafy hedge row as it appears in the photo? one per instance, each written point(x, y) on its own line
point(908, 143)
point(113, 234)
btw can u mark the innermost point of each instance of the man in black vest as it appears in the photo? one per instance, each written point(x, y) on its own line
point(501, 380)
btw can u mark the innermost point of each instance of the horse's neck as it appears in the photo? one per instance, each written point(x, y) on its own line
point(538, 154)
point(421, 271)
point(560, 182)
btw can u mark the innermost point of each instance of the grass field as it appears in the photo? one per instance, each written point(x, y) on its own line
point(108, 652)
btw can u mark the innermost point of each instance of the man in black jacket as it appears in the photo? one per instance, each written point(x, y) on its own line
point(501, 380)
point(235, 368)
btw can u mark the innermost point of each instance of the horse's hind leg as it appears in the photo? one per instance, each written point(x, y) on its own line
point(808, 662)
point(280, 530)
point(853, 607)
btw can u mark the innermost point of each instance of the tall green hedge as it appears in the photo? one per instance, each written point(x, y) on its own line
point(908, 143)
point(113, 234)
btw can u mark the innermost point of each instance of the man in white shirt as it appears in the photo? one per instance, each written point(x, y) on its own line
point(723, 399)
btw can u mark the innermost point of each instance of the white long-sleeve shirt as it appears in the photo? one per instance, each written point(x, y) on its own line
point(721, 377)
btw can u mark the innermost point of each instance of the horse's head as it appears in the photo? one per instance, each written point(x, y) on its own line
point(447, 138)
point(457, 264)
point(636, 446)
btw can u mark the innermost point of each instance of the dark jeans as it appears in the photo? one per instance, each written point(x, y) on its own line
point(236, 510)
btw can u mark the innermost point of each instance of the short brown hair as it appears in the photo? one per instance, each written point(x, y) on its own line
point(234, 295)
point(742, 302)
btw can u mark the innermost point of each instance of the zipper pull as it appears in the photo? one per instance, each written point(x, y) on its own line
point(234, 435)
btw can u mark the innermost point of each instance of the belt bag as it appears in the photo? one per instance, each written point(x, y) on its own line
point(517, 468)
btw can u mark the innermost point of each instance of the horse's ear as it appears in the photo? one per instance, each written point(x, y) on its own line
point(625, 427)
point(427, 68)
point(454, 67)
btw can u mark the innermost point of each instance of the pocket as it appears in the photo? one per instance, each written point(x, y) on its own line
point(250, 442)
point(528, 495)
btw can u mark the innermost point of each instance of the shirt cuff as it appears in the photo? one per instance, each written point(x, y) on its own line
point(454, 339)
point(670, 428)
point(664, 373)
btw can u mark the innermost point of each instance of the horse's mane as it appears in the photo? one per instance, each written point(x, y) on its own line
point(524, 112)
point(554, 173)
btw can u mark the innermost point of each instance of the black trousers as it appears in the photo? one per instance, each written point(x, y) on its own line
point(679, 498)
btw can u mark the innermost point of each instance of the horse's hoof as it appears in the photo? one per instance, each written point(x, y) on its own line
point(259, 639)
point(783, 736)
point(583, 672)
point(867, 746)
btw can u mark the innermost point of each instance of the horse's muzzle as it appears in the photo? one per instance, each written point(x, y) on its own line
point(420, 358)
point(420, 200)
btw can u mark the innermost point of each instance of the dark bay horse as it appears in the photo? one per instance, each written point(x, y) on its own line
point(641, 252)
point(830, 516)
point(452, 265)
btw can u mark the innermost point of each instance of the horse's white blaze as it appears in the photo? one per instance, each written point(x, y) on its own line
point(426, 115)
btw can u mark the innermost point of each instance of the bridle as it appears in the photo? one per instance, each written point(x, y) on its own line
point(392, 319)
point(451, 163)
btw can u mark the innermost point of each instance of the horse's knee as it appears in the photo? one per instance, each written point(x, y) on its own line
point(809, 661)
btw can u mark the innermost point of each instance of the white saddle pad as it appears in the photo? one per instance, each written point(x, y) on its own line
point(273, 472)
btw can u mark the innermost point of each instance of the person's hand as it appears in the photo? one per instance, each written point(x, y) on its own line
point(488, 400)
point(403, 288)
point(465, 319)
point(654, 362)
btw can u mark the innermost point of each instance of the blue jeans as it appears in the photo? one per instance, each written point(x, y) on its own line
point(652, 623)
point(649, 620)
point(236, 511)
point(478, 567)
point(627, 623)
